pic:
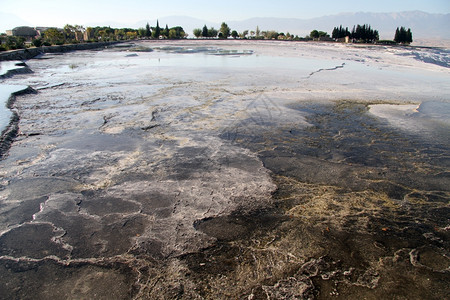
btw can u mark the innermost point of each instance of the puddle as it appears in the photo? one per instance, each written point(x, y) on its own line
point(429, 119)
point(7, 66)
point(5, 93)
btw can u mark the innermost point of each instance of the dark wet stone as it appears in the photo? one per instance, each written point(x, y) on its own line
point(152, 248)
point(90, 237)
point(342, 143)
point(108, 205)
point(101, 142)
point(163, 212)
point(30, 188)
point(433, 258)
point(239, 161)
point(48, 280)
point(437, 197)
point(23, 212)
point(120, 234)
point(236, 226)
point(315, 171)
point(32, 240)
point(155, 202)
point(126, 176)
point(188, 163)
point(223, 228)
point(220, 259)
point(393, 190)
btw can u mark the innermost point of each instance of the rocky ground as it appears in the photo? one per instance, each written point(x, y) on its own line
point(265, 170)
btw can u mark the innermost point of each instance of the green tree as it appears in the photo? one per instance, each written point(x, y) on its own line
point(177, 33)
point(130, 35)
point(257, 32)
point(205, 31)
point(198, 32)
point(364, 33)
point(234, 34)
point(103, 33)
point(403, 36)
point(340, 32)
point(314, 34)
point(69, 31)
point(157, 31)
point(271, 35)
point(243, 35)
point(54, 36)
point(409, 39)
point(73, 33)
point(141, 32)
point(37, 42)
point(13, 43)
point(212, 32)
point(166, 31)
point(148, 31)
point(89, 33)
point(173, 34)
point(119, 34)
point(224, 30)
point(397, 35)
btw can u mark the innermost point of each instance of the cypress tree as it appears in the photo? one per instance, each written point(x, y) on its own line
point(335, 33)
point(403, 36)
point(166, 31)
point(340, 32)
point(397, 36)
point(409, 39)
point(157, 31)
point(148, 32)
point(205, 31)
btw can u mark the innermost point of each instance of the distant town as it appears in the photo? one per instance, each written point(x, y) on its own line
point(25, 37)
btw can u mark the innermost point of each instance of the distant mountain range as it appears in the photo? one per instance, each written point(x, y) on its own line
point(422, 24)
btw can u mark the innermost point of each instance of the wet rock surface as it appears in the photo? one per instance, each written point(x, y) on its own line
point(150, 177)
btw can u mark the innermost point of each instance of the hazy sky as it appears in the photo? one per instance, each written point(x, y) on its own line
point(60, 12)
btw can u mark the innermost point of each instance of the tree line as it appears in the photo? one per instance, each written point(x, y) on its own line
point(157, 32)
point(225, 32)
point(75, 33)
point(72, 34)
point(364, 33)
point(403, 36)
point(361, 33)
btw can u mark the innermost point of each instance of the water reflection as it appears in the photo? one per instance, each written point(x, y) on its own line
point(5, 93)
